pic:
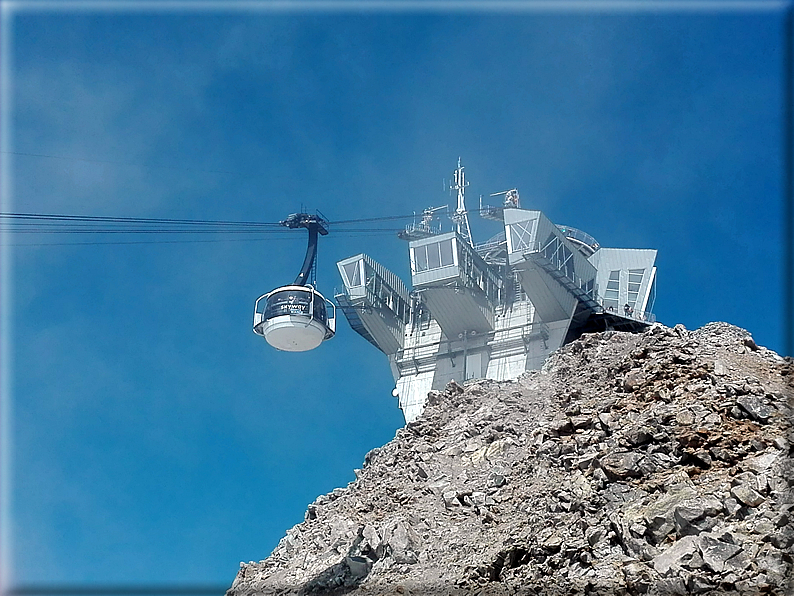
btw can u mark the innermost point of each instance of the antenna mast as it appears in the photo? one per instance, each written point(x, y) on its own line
point(460, 217)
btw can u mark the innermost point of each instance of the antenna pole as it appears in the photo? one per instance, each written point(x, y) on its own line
point(460, 217)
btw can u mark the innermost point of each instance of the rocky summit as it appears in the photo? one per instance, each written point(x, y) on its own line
point(657, 463)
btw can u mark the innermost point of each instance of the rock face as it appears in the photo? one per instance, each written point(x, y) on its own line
point(654, 464)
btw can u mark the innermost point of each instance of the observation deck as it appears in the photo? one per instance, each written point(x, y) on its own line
point(458, 286)
point(375, 302)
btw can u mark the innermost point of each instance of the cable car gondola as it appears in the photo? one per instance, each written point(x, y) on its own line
point(295, 318)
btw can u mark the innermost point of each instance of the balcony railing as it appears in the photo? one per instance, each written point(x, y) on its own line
point(574, 283)
point(630, 313)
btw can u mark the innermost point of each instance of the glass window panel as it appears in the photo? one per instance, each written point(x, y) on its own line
point(634, 287)
point(611, 294)
point(614, 275)
point(637, 271)
point(433, 256)
point(612, 285)
point(515, 236)
point(550, 248)
point(353, 272)
point(420, 258)
point(446, 253)
point(520, 234)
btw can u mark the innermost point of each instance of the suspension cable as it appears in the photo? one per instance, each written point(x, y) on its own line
point(50, 223)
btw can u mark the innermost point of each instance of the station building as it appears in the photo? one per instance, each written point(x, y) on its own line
point(493, 310)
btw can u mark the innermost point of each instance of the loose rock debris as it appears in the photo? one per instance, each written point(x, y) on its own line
point(658, 463)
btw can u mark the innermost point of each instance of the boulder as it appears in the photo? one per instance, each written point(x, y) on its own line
point(673, 556)
point(622, 464)
point(747, 495)
point(755, 407)
point(715, 552)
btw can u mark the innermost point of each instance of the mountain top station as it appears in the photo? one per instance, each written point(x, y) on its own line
point(492, 310)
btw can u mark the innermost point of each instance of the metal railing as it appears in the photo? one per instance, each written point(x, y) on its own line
point(583, 237)
point(371, 300)
point(537, 251)
point(489, 245)
point(630, 313)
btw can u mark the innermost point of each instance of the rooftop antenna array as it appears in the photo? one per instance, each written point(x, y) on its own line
point(460, 218)
point(423, 229)
point(498, 213)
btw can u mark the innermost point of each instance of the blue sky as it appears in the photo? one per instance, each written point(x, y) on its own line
point(153, 437)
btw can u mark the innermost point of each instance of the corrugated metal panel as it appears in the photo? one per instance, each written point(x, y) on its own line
point(412, 392)
point(385, 329)
point(389, 277)
point(551, 300)
point(352, 315)
point(459, 309)
point(435, 276)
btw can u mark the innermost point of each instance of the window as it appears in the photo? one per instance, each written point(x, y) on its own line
point(613, 286)
point(521, 234)
point(635, 280)
point(353, 273)
point(446, 253)
point(420, 258)
point(433, 256)
point(559, 254)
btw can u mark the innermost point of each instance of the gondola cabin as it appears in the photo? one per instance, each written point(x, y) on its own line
point(294, 318)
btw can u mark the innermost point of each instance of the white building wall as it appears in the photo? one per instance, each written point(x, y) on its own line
point(412, 394)
point(624, 260)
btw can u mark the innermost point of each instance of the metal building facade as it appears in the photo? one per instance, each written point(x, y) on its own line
point(476, 312)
